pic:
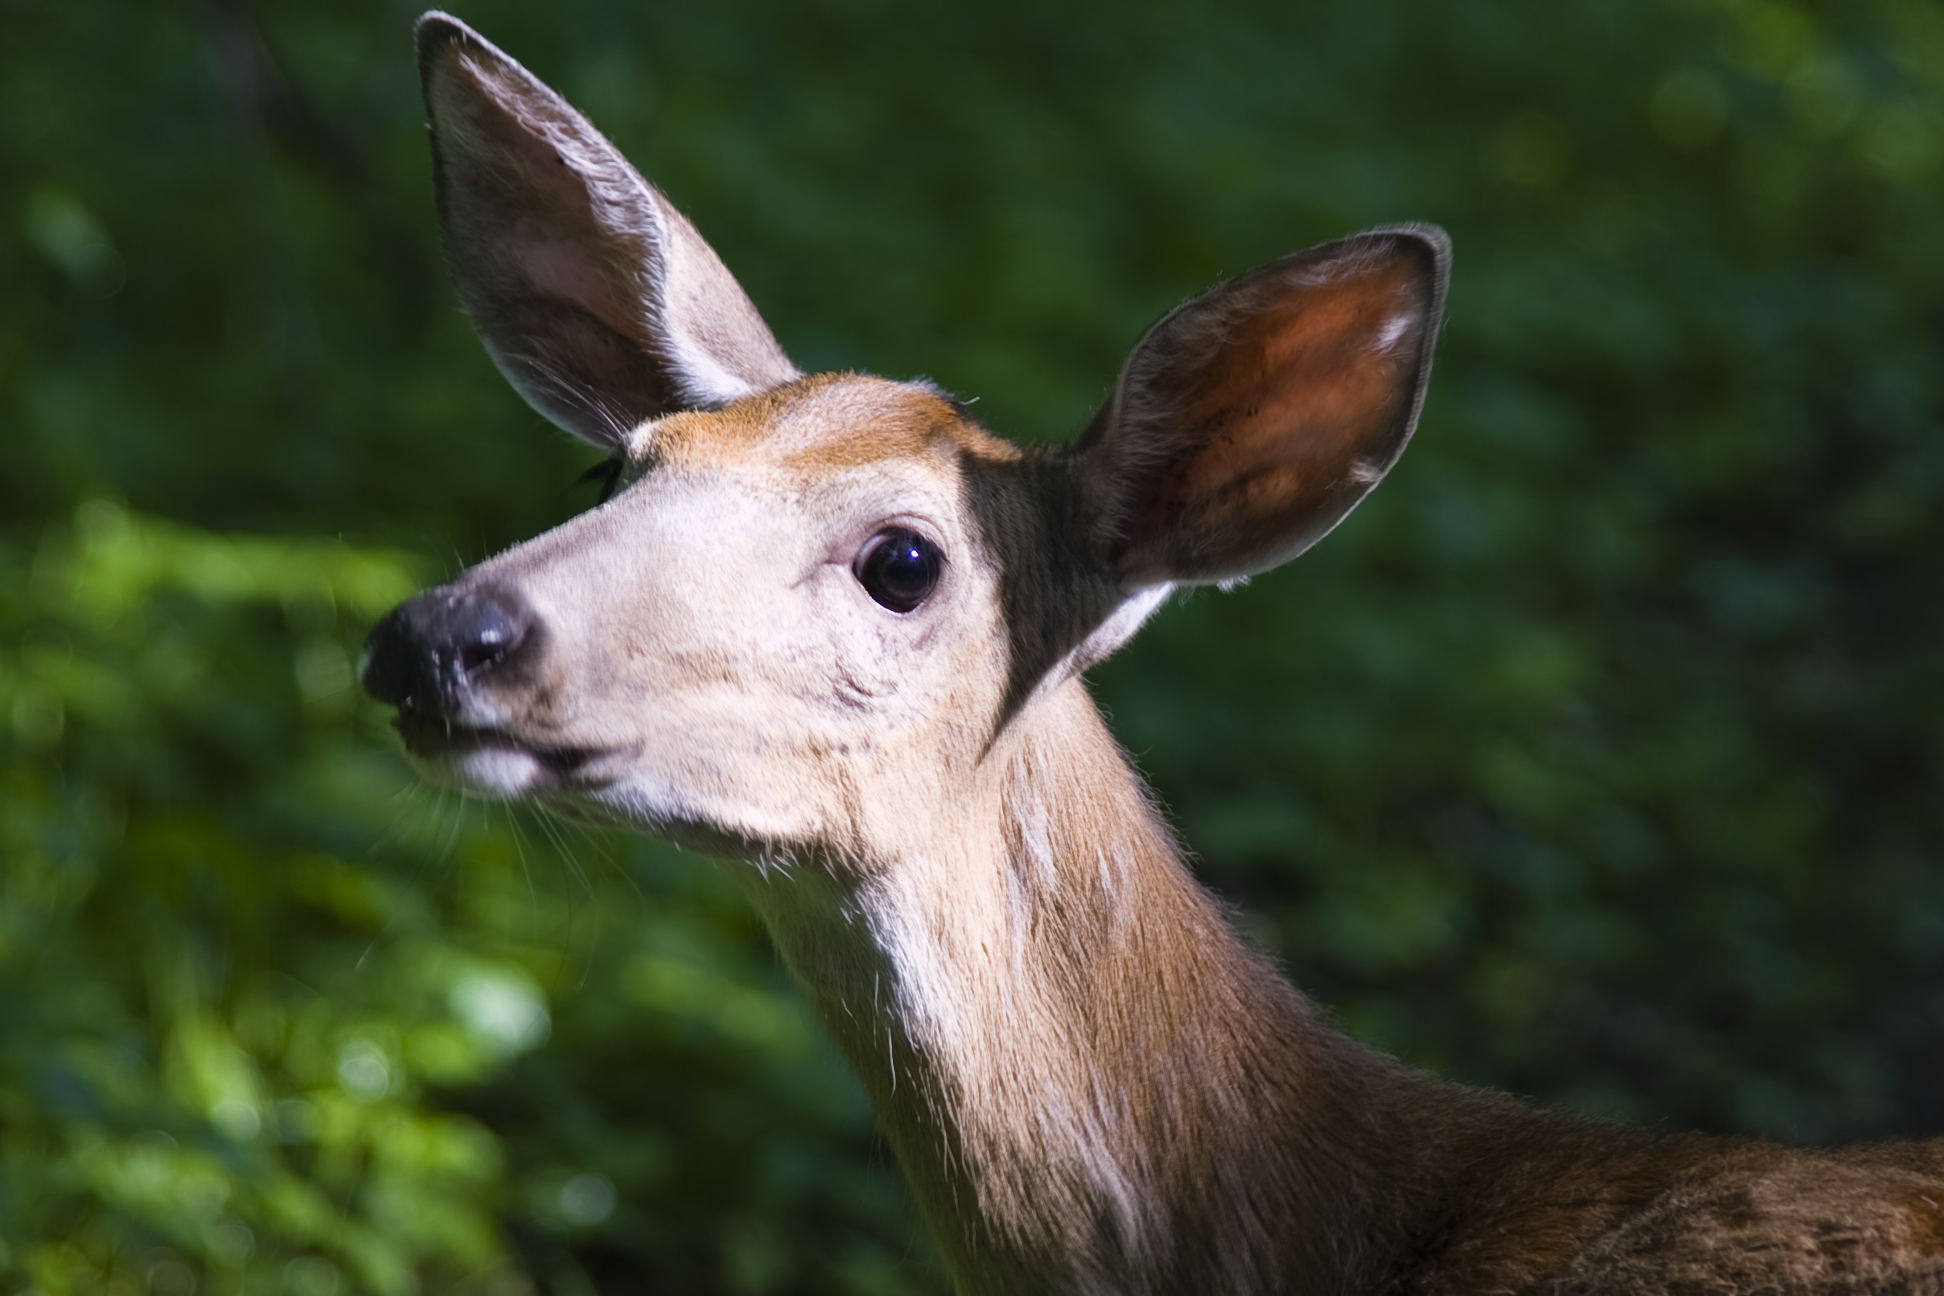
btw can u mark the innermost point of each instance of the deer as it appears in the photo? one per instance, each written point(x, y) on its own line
point(830, 631)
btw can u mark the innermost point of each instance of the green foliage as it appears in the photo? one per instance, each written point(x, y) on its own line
point(1597, 755)
point(268, 1013)
point(192, 1055)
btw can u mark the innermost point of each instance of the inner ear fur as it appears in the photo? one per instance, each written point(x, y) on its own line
point(1251, 419)
point(594, 296)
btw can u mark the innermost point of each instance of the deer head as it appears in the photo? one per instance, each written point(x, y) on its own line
point(812, 604)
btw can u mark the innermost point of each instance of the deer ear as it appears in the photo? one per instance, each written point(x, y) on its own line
point(1251, 419)
point(595, 297)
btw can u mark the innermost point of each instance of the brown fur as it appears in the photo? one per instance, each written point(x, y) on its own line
point(1119, 1022)
point(824, 424)
point(1092, 1083)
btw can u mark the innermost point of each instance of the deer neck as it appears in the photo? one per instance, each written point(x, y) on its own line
point(1090, 1081)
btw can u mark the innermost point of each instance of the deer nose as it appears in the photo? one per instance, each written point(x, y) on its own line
point(429, 653)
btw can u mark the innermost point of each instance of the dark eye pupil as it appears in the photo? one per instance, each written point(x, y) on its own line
point(899, 568)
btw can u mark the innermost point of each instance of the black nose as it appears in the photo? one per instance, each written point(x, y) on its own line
point(429, 653)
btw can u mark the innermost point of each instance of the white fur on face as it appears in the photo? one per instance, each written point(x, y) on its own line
point(503, 773)
point(709, 643)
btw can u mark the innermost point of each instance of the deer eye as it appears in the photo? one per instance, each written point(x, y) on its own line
point(899, 568)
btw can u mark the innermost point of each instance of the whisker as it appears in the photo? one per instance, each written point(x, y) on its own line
point(519, 851)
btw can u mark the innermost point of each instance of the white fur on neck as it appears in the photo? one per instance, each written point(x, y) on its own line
point(1031, 1105)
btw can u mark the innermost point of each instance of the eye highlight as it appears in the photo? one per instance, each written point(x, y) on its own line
point(898, 568)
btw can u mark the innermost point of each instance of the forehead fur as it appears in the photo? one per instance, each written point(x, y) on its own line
point(825, 423)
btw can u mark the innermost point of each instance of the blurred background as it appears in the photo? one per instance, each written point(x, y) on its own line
point(1597, 756)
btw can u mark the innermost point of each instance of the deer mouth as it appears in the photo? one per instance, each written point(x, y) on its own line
point(492, 760)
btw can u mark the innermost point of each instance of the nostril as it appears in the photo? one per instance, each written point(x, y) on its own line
point(490, 634)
